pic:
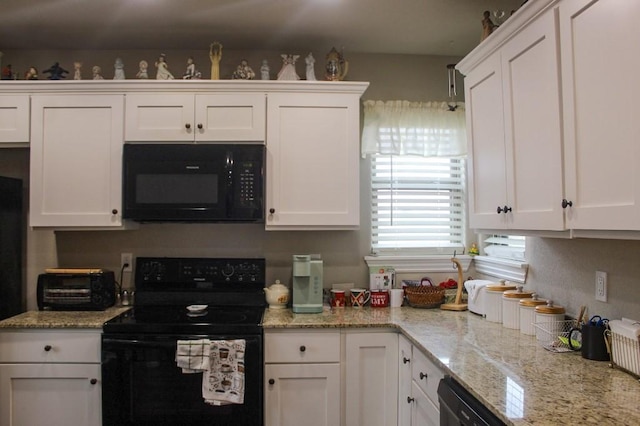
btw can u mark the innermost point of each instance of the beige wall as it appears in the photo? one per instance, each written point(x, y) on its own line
point(563, 270)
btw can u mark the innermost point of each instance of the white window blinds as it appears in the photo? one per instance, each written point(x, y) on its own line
point(417, 203)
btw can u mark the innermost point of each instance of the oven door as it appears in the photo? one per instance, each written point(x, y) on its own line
point(143, 386)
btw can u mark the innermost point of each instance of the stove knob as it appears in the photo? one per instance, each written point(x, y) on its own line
point(228, 270)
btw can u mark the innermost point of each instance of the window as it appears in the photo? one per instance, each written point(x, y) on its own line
point(417, 203)
point(505, 246)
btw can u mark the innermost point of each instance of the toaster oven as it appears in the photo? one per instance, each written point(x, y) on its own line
point(76, 289)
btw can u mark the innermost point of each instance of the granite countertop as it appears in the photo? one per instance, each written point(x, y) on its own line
point(519, 380)
point(62, 319)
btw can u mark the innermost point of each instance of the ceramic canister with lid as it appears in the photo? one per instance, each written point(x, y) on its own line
point(493, 300)
point(527, 314)
point(511, 307)
point(549, 319)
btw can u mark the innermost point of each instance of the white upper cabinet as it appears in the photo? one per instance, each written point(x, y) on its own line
point(14, 119)
point(313, 163)
point(568, 115)
point(190, 117)
point(76, 160)
point(513, 117)
point(599, 43)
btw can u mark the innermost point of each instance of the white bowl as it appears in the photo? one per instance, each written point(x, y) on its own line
point(196, 308)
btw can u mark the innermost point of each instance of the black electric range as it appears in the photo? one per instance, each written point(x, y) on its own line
point(142, 385)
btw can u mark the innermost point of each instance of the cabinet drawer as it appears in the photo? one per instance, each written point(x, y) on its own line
point(49, 346)
point(426, 375)
point(300, 347)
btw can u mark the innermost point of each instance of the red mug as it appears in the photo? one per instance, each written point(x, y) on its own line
point(338, 298)
point(379, 298)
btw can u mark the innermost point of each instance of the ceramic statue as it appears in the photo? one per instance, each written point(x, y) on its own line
point(243, 72)
point(118, 70)
point(143, 67)
point(77, 70)
point(97, 73)
point(215, 55)
point(31, 74)
point(56, 72)
point(288, 71)
point(337, 67)
point(264, 70)
point(310, 61)
point(163, 72)
point(191, 73)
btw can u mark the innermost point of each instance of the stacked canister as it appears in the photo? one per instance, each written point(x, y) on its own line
point(493, 300)
point(527, 314)
point(511, 306)
point(550, 317)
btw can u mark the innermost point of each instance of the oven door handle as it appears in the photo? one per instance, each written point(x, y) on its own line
point(141, 343)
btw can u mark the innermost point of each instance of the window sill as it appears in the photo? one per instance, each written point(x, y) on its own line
point(511, 270)
point(409, 264)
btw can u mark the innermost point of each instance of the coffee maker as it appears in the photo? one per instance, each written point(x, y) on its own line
point(307, 284)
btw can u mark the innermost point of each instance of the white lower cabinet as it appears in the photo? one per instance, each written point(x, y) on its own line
point(50, 377)
point(371, 376)
point(302, 378)
point(418, 380)
point(331, 377)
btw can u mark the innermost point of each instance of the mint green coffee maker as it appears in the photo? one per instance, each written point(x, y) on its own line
point(307, 284)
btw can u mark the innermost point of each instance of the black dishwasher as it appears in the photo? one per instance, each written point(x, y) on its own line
point(458, 407)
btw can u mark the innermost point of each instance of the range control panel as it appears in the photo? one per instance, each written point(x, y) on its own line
point(176, 272)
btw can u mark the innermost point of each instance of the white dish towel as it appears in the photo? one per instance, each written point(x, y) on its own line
point(223, 383)
point(193, 356)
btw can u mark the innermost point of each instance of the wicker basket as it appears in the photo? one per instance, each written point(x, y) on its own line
point(424, 296)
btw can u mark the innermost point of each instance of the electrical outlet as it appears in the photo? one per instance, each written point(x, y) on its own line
point(601, 286)
point(126, 259)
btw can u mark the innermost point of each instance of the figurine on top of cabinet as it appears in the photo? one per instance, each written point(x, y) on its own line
point(97, 73)
point(7, 72)
point(215, 55)
point(31, 74)
point(336, 66)
point(191, 72)
point(56, 72)
point(143, 67)
point(264, 70)
point(163, 72)
point(77, 70)
point(118, 67)
point(243, 72)
point(487, 25)
point(310, 61)
point(288, 71)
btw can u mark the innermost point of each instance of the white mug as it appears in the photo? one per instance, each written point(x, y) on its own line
point(397, 297)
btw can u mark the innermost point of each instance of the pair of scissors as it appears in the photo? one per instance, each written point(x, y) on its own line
point(598, 321)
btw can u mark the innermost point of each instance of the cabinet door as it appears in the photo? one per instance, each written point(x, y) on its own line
point(302, 394)
point(50, 394)
point(160, 117)
point(423, 411)
point(533, 136)
point(601, 110)
point(404, 381)
point(231, 117)
point(371, 379)
point(485, 126)
point(76, 160)
point(313, 161)
point(14, 119)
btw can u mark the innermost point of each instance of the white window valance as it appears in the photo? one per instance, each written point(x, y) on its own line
point(428, 129)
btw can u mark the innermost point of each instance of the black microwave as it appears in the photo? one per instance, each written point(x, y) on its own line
point(193, 182)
